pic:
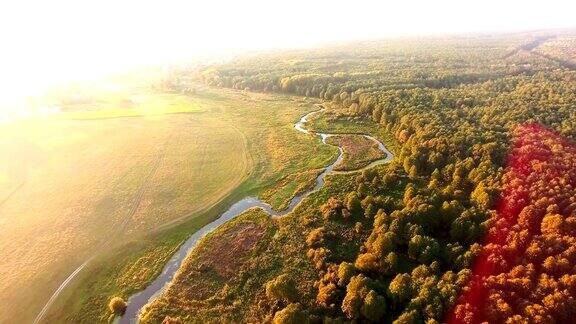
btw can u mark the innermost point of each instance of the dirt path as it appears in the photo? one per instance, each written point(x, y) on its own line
point(531, 48)
point(528, 47)
point(3, 201)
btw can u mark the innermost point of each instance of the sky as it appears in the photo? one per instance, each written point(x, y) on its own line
point(47, 42)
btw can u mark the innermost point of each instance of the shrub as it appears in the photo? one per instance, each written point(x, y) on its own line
point(292, 314)
point(282, 288)
point(316, 237)
point(331, 208)
point(172, 320)
point(117, 305)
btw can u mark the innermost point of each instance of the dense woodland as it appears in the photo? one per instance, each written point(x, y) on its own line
point(402, 243)
point(526, 271)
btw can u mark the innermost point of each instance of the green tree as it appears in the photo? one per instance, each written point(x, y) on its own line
point(353, 202)
point(366, 262)
point(408, 317)
point(423, 248)
point(356, 291)
point(390, 264)
point(481, 197)
point(291, 314)
point(384, 244)
point(345, 272)
point(409, 193)
point(400, 288)
point(413, 174)
point(374, 306)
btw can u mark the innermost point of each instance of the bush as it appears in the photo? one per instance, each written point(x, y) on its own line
point(172, 320)
point(292, 314)
point(117, 305)
point(281, 288)
point(316, 237)
point(331, 208)
point(353, 203)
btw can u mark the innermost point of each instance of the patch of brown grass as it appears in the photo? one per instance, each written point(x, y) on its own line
point(215, 261)
point(359, 151)
point(225, 256)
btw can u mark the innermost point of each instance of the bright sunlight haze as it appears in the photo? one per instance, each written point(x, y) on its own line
point(46, 42)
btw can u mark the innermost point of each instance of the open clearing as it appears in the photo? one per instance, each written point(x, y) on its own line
point(187, 171)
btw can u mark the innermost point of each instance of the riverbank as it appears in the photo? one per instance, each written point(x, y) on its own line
point(148, 295)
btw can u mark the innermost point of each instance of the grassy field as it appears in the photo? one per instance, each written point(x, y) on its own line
point(236, 144)
point(142, 105)
point(290, 186)
point(277, 149)
point(71, 187)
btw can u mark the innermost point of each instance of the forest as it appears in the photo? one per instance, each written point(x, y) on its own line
point(526, 269)
point(473, 220)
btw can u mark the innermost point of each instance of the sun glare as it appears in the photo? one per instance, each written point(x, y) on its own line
point(48, 43)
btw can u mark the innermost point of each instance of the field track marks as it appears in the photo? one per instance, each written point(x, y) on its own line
point(12, 193)
point(58, 291)
point(145, 184)
point(246, 172)
point(532, 48)
point(136, 203)
point(528, 47)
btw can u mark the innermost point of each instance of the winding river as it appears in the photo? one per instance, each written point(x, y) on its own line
point(137, 301)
